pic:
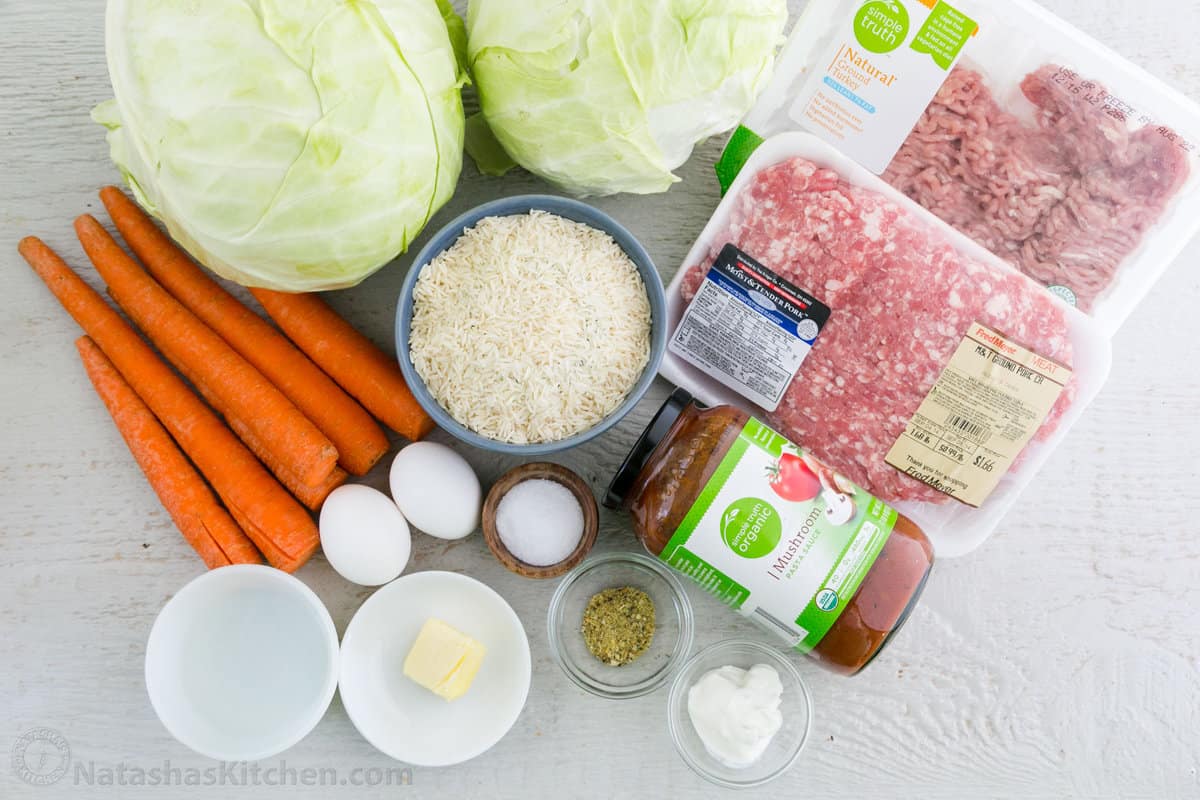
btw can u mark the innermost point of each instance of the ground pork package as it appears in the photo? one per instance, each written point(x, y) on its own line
point(896, 350)
point(1063, 159)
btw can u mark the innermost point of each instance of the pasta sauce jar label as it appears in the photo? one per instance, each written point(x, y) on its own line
point(780, 537)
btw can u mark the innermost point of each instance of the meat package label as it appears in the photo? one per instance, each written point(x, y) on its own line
point(986, 405)
point(880, 71)
point(748, 328)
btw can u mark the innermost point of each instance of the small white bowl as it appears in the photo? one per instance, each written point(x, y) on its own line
point(785, 746)
point(241, 663)
point(406, 721)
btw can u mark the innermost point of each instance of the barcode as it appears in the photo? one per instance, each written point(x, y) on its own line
point(967, 427)
point(791, 633)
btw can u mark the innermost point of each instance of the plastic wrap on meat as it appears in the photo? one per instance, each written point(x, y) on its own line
point(1065, 198)
point(901, 297)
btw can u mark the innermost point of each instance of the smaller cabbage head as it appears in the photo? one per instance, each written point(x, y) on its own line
point(296, 145)
point(607, 96)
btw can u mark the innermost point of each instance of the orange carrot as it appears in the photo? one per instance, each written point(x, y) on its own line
point(231, 385)
point(206, 526)
point(359, 440)
point(361, 368)
point(314, 496)
point(279, 526)
point(275, 557)
point(311, 496)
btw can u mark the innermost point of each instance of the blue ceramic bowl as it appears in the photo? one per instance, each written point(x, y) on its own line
point(569, 209)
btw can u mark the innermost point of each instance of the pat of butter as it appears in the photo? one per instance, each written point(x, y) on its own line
point(444, 660)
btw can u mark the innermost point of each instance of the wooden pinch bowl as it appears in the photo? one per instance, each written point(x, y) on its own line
point(551, 472)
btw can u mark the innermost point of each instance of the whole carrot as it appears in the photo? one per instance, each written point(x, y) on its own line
point(206, 526)
point(279, 526)
point(228, 381)
point(311, 496)
point(361, 368)
point(359, 440)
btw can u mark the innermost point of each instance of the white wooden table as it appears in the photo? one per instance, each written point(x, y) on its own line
point(1061, 659)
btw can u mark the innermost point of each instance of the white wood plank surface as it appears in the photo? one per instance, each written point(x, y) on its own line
point(1061, 659)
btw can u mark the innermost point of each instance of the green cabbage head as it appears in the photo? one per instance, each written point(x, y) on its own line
point(296, 145)
point(607, 96)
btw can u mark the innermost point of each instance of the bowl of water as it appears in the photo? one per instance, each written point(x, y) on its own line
point(242, 663)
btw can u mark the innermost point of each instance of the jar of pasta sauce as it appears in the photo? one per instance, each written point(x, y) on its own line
point(772, 532)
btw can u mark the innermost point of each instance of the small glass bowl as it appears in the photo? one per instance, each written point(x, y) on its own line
point(785, 747)
point(673, 629)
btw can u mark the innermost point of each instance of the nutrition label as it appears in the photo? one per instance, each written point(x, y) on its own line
point(985, 406)
point(748, 328)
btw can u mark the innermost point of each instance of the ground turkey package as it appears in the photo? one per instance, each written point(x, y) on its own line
point(1051, 151)
point(891, 293)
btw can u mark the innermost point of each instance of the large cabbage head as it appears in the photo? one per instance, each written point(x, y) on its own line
point(296, 145)
point(607, 96)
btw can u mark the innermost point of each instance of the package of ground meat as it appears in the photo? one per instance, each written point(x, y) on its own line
point(1070, 163)
point(899, 352)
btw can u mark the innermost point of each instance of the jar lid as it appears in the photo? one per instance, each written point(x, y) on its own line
point(655, 432)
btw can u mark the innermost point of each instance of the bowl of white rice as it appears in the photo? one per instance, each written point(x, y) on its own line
point(531, 324)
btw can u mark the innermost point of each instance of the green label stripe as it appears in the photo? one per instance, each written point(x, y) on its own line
point(678, 556)
point(737, 152)
point(851, 566)
point(763, 438)
point(727, 590)
point(944, 34)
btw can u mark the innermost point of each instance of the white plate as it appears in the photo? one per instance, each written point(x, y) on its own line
point(242, 662)
point(404, 720)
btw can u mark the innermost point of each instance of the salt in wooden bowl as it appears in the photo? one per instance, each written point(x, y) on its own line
point(543, 471)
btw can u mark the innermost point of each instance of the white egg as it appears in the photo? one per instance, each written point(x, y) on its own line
point(436, 490)
point(364, 535)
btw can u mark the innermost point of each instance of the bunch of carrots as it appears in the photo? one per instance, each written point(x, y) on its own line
point(284, 419)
